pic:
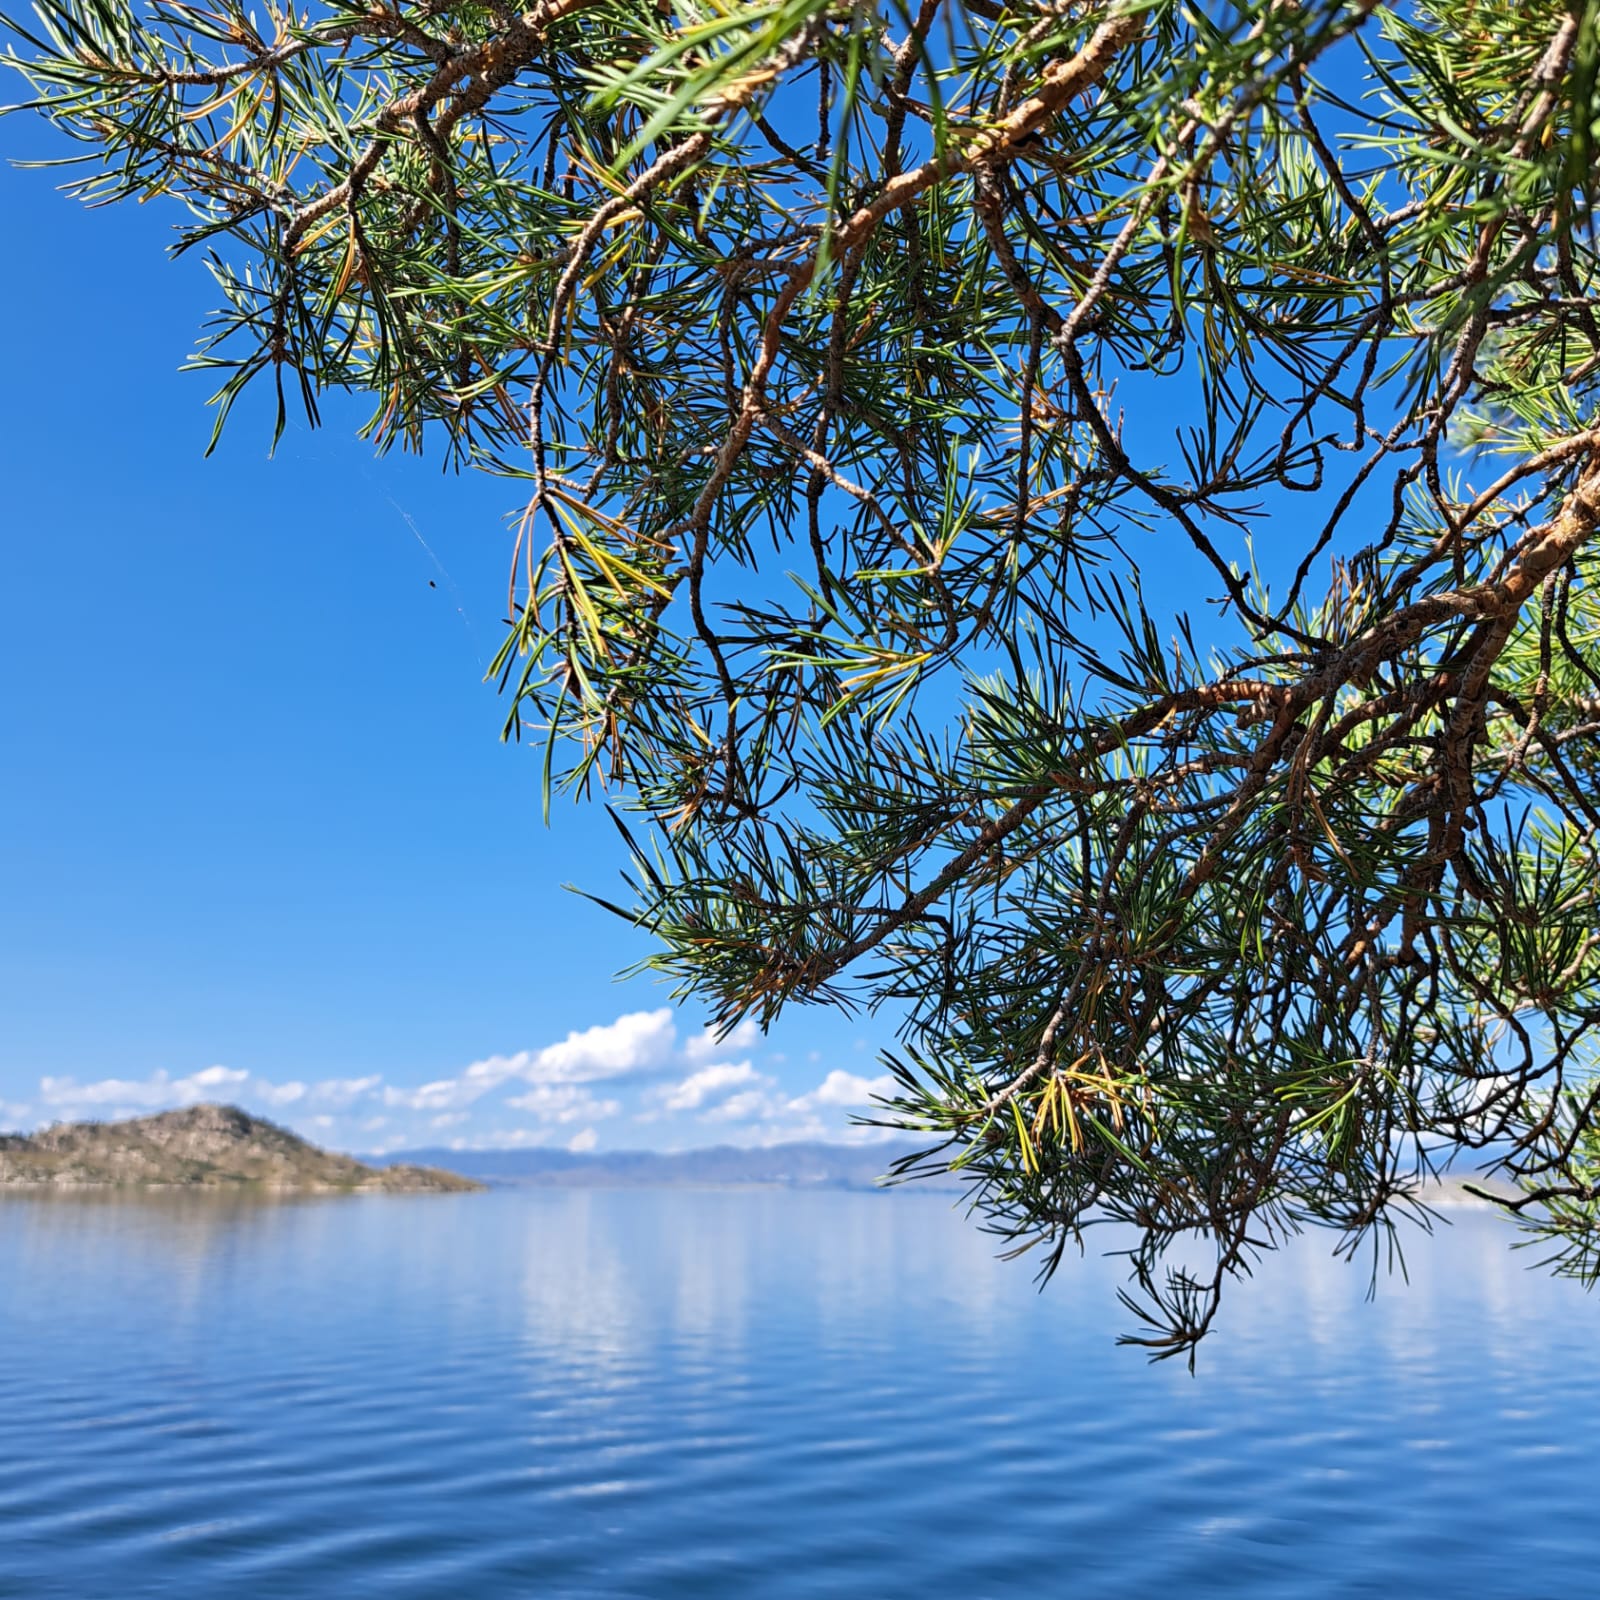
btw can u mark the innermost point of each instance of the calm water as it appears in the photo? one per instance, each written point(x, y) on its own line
point(757, 1394)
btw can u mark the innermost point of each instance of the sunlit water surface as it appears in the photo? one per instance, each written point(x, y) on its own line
point(754, 1393)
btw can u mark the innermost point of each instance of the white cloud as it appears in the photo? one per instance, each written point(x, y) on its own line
point(439, 1096)
point(563, 1102)
point(339, 1092)
point(131, 1097)
point(746, 1107)
point(638, 1041)
point(69, 1092)
point(706, 1046)
point(633, 1043)
point(845, 1089)
point(550, 1082)
point(448, 1094)
point(709, 1082)
point(581, 1143)
point(759, 1116)
point(218, 1077)
point(141, 1094)
point(502, 1139)
point(558, 1093)
point(474, 1082)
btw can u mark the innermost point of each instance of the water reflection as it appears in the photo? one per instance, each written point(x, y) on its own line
point(753, 1392)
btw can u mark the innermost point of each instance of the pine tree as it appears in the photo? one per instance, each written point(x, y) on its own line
point(1070, 523)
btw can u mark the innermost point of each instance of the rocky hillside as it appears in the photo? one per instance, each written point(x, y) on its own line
point(200, 1147)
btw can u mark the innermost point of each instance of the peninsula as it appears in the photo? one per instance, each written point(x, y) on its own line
point(200, 1147)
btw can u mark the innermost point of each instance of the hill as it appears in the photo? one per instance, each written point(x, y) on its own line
point(205, 1146)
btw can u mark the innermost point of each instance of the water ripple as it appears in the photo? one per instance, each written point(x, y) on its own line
point(593, 1395)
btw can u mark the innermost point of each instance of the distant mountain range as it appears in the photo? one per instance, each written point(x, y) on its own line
point(200, 1147)
point(790, 1166)
point(795, 1166)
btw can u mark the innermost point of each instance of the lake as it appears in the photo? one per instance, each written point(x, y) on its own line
point(758, 1393)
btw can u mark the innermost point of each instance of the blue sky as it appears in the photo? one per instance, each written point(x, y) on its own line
point(262, 842)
